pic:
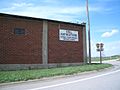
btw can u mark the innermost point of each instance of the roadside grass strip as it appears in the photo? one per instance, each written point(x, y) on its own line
point(24, 75)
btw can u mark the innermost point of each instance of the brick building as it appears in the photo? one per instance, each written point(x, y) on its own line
point(27, 42)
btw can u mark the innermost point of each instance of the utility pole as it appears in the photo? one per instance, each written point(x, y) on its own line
point(89, 40)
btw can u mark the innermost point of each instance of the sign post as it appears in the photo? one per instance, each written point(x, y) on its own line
point(100, 49)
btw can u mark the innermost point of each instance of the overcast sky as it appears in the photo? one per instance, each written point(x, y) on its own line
point(104, 17)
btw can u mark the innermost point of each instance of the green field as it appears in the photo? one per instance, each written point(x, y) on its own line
point(105, 58)
point(24, 75)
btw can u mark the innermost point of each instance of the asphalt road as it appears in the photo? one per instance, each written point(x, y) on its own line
point(103, 80)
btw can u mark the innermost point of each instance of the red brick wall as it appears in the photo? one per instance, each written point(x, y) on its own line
point(24, 49)
point(64, 51)
point(27, 49)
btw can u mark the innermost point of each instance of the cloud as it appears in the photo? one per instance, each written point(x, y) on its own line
point(112, 48)
point(51, 1)
point(49, 11)
point(110, 34)
point(21, 4)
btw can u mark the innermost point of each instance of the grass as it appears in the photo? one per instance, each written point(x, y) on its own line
point(24, 75)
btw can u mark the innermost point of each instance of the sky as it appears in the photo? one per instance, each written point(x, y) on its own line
point(104, 17)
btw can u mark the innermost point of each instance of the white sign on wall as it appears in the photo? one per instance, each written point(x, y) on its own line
point(68, 35)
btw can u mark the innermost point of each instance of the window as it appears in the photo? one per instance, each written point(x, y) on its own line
point(19, 31)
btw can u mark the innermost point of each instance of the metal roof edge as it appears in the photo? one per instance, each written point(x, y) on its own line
point(34, 18)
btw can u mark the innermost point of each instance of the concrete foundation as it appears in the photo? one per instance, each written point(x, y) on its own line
point(34, 66)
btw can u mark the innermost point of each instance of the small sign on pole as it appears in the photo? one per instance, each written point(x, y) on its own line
point(100, 49)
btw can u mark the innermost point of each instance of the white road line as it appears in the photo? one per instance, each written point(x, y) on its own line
point(71, 82)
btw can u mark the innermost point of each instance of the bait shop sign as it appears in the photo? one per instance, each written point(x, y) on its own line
point(68, 35)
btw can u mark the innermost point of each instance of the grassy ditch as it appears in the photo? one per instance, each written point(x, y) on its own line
point(24, 75)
